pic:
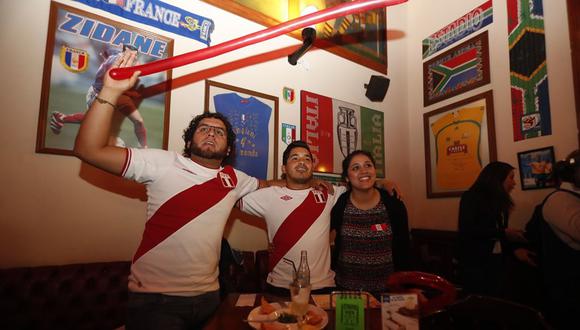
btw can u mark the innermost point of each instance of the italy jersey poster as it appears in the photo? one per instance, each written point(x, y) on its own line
point(334, 128)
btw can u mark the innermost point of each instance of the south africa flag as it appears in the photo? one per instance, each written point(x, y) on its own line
point(528, 69)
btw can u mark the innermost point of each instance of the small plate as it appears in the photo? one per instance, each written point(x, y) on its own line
point(257, 316)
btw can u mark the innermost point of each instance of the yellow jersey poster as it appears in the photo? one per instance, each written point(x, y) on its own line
point(457, 137)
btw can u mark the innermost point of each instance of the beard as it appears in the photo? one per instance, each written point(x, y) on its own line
point(300, 179)
point(217, 154)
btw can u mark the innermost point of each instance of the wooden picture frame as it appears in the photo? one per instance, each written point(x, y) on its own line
point(78, 43)
point(456, 71)
point(343, 36)
point(335, 179)
point(459, 142)
point(536, 167)
point(254, 118)
point(574, 27)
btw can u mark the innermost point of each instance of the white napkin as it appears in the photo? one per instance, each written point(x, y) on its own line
point(246, 300)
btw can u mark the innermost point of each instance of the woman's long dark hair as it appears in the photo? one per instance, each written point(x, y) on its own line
point(490, 183)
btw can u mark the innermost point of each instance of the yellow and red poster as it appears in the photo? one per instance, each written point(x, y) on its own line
point(457, 136)
point(459, 142)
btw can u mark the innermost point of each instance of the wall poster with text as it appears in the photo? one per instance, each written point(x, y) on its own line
point(80, 48)
point(459, 142)
point(467, 24)
point(334, 128)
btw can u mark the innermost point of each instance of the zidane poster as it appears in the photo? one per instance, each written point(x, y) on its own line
point(80, 48)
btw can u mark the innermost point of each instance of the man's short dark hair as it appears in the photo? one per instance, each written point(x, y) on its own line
point(295, 144)
point(231, 136)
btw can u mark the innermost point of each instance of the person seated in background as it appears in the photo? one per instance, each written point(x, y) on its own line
point(371, 229)
point(483, 233)
point(555, 232)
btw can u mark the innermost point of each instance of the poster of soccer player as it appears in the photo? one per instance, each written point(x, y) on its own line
point(459, 142)
point(535, 167)
point(80, 48)
point(254, 117)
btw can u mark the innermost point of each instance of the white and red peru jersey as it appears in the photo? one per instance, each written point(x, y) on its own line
point(187, 208)
point(296, 220)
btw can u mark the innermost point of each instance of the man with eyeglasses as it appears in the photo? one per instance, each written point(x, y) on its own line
point(174, 274)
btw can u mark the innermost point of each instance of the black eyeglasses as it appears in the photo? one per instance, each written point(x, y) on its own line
point(205, 129)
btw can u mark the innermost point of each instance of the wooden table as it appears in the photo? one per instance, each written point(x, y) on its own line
point(230, 317)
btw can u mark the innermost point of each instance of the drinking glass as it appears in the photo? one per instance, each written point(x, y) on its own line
point(300, 297)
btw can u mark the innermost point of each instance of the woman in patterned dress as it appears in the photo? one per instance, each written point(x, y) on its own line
point(371, 227)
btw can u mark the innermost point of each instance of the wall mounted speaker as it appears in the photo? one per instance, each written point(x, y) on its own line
point(377, 88)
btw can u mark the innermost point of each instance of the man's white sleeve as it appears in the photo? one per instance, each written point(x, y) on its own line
point(255, 203)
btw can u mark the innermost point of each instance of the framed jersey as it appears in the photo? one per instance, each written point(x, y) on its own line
point(459, 142)
point(254, 117)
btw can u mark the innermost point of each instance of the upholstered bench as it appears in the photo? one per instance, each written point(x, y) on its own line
point(79, 296)
point(94, 295)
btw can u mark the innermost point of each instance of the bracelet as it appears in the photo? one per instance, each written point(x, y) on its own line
point(103, 101)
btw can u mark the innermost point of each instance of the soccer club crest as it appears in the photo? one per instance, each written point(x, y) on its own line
point(288, 133)
point(289, 94)
point(74, 59)
point(346, 130)
point(226, 180)
point(319, 196)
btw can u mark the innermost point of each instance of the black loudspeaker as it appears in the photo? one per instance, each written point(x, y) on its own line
point(377, 88)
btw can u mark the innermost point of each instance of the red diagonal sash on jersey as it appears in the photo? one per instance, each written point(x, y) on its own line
point(185, 207)
point(295, 225)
